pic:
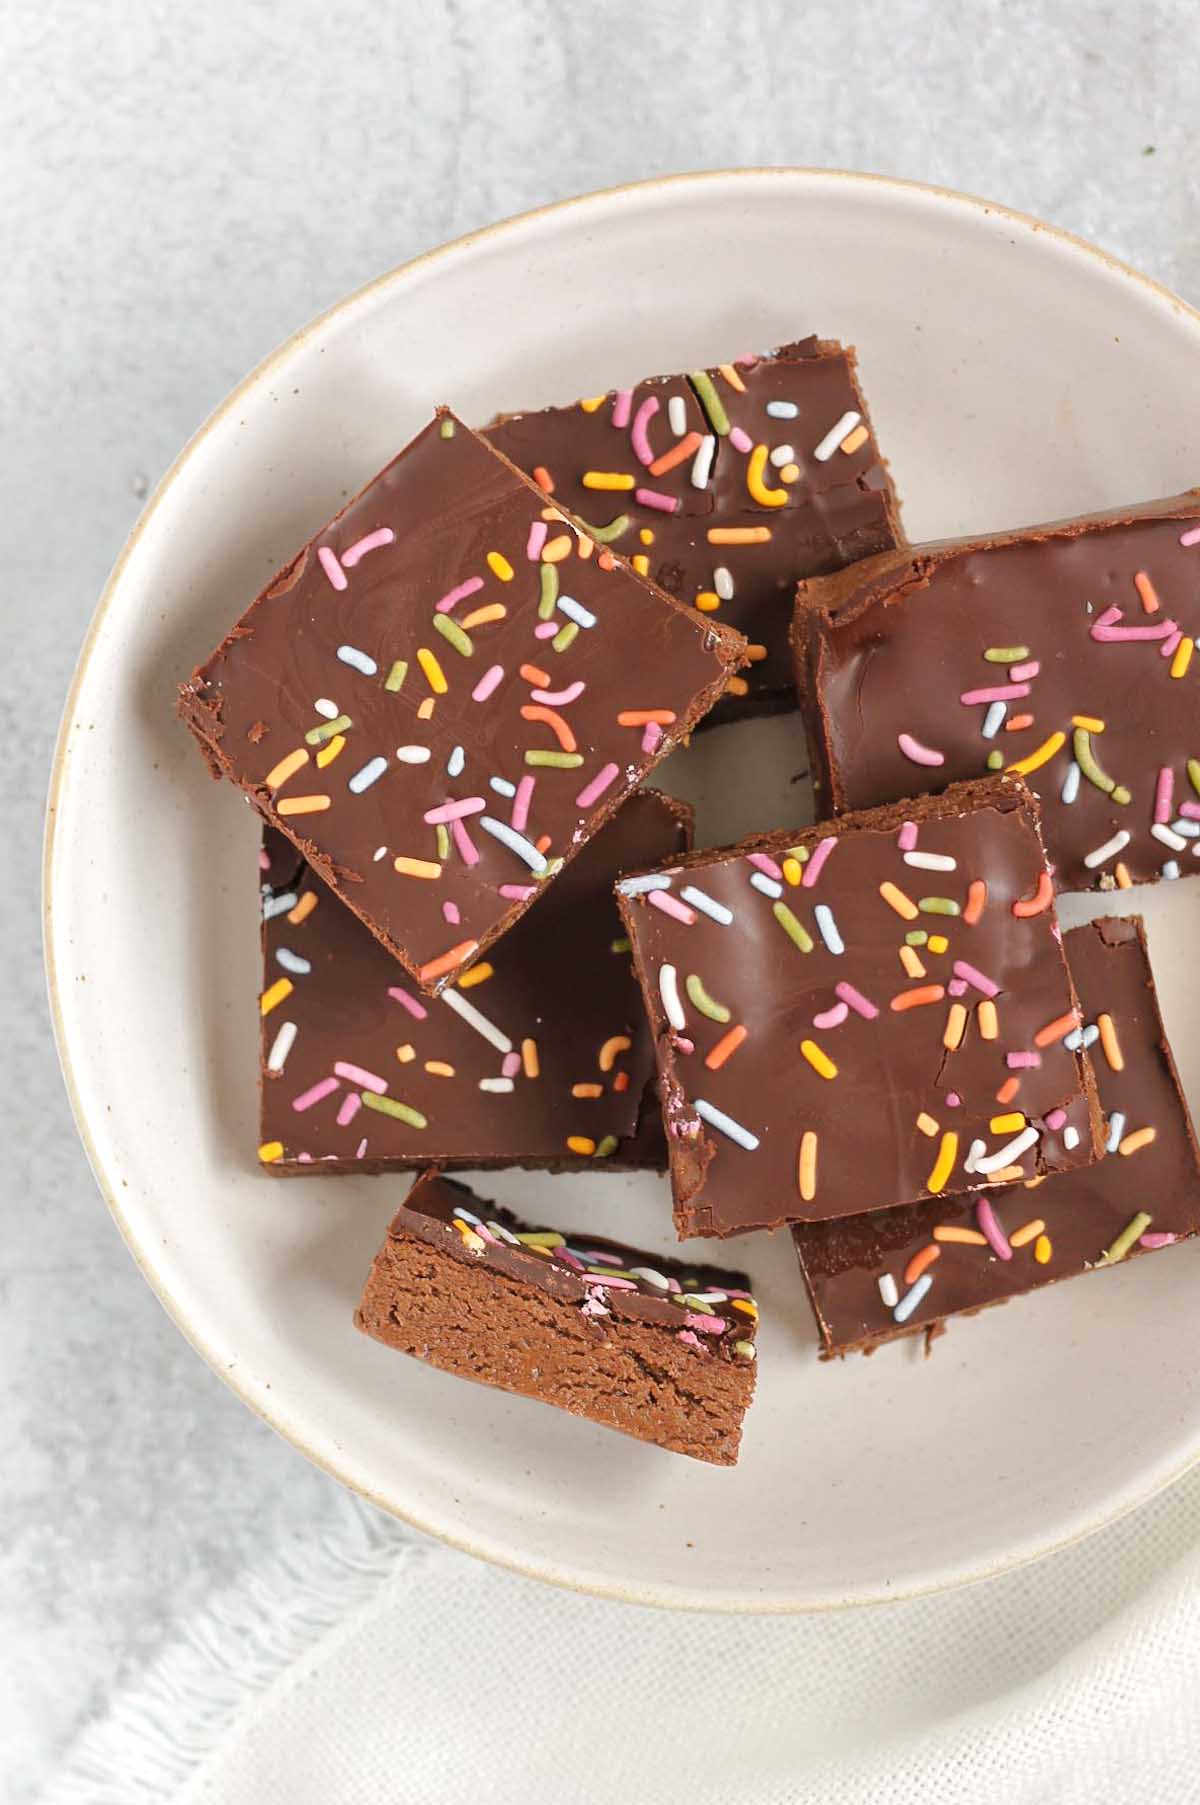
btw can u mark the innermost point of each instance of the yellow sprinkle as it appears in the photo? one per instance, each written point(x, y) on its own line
point(1042, 1250)
point(738, 535)
point(303, 908)
point(989, 1024)
point(755, 653)
point(737, 686)
point(793, 870)
point(1089, 722)
point(1121, 873)
point(425, 711)
point(1029, 1231)
point(592, 402)
point(956, 1026)
point(790, 473)
point(896, 899)
point(483, 617)
point(1183, 657)
point(478, 974)
point(1031, 1184)
point(434, 674)
point(911, 961)
point(746, 1305)
point(417, 867)
point(708, 601)
point(853, 440)
point(270, 1151)
point(944, 1164)
point(1133, 1143)
point(437, 1068)
point(581, 1143)
point(302, 805)
point(961, 1237)
point(555, 550)
point(808, 1165)
point(1040, 756)
point(608, 479)
point(759, 492)
point(587, 1090)
point(1007, 1175)
point(819, 1061)
point(329, 752)
point(641, 564)
point(937, 943)
point(529, 1058)
point(287, 767)
point(1110, 1043)
point(473, 1242)
point(926, 1123)
point(1012, 1123)
point(275, 994)
point(613, 1047)
point(646, 536)
point(406, 1052)
point(732, 378)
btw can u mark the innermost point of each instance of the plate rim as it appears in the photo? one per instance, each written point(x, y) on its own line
point(54, 954)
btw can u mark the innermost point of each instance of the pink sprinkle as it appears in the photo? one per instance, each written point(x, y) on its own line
point(1164, 793)
point(332, 568)
point(1157, 1240)
point(741, 441)
point(919, 754)
point(381, 536)
point(351, 1104)
point(683, 1045)
point(985, 1215)
point(611, 1284)
point(600, 1256)
point(906, 839)
point(563, 1256)
point(671, 905)
point(410, 1003)
point(765, 863)
point(510, 1065)
point(622, 404)
point(672, 1282)
point(322, 1088)
point(591, 792)
point(654, 498)
point(1190, 811)
point(450, 913)
point(652, 737)
point(1011, 692)
point(816, 864)
point(558, 698)
point(361, 1148)
point(1055, 1119)
point(545, 629)
point(690, 1340)
point(974, 976)
point(832, 1018)
point(1108, 634)
point(1020, 1062)
point(306, 1159)
point(953, 1099)
point(357, 1074)
point(264, 859)
point(487, 683)
point(1191, 537)
point(856, 1000)
point(537, 538)
point(957, 987)
point(705, 1325)
point(642, 448)
point(454, 811)
point(465, 846)
point(453, 596)
point(1170, 646)
point(1023, 673)
point(517, 892)
point(748, 359)
point(521, 802)
point(484, 1233)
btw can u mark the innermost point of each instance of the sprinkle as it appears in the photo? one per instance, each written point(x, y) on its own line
point(413, 755)
point(270, 1151)
point(556, 549)
point(926, 1124)
point(806, 1170)
point(678, 454)
point(434, 675)
point(956, 1027)
point(702, 463)
point(388, 1106)
point(371, 772)
point(1011, 692)
point(826, 447)
point(944, 1164)
point(640, 886)
point(709, 400)
point(1086, 759)
point(328, 753)
point(1024, 673)
point(396, 675)
point(1132, 1232)
point(896, 899)
point(1042, 1250)
point(831, 1018)
point(1151, 1241)
point(1191, 537)
point(931, 861)
point(857, 1001)
point(638, 431)
point(700, 899)
point(919, 754)
point(922, 1259)
point(765, 863)
point(909, 1302)
point(1070, 1138)
point(716, 1118)
point(976, 901)
point(451, 631)
point(1109, 850)
point(583, 617)
point(287, 767)
point(641, 717)
point(1009, 1153)
point(986, 1218)
point(738, 535)
point(910, 960)
point(360, 661)
point(671, 905)
point(1167, 837)
point(938, 905)
point(816, 864)
point(677, 415)
point(725, 1047)
point(593, 790)
point(302, 805)
point(758, 490)
point(332, 568)
point(887, 1291)
point(914, 999)
point(906, 839)
point(716, 1012)
point(474, 1018)
point(1133, 1143)
point(1040, 756)
point(972, 975)
point(794, 930)
point(565, 637)
point(989, 1026)
point(828, 928)
point(817, 1059)
point(1107, 633)
point(325, 708)
point(535, 711)
point(317, 736)
point(456, 762)
point(782, 410)
point(767, 885)
point(281, 1046)
point(1145, 589)
point(1055, 1118)
point(316, 1093)
point(292, 962)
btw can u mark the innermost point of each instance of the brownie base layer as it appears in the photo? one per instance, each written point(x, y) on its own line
point(486, 1326)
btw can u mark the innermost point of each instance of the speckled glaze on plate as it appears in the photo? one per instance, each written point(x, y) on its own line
point(1013, 373)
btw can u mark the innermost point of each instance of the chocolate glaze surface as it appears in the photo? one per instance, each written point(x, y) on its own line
point(1081, 1213)
point(1064, 652)
point(443, 650)
point(826, 510)
point(884, 985)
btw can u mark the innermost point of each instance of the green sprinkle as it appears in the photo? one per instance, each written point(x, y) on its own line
point(542, 1237)
point(443, 843)
point(447, 429)
point(938, 905)
point(552, 870)
point(799, 853)
point(702, 382)
point(1086, 760)
point(995, 760)
point(689, 1303)
point(624, 945)
point(605, 1149)
point(1193, 771)
point(795, 932)
point(396, 675)
point(716, 1012)
point(744, 1347)
point(917, 937)
point(557, 761)
point(549, 591)
point(603, 535)
point(450, 629)
point(316, 736)
point(565, 636)
point(1125, 1240)
point(388, 1106)
point(1006, 654)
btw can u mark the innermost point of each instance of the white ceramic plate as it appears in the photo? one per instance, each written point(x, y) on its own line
point(1013, 374)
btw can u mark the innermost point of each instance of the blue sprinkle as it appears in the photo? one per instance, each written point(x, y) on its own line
point(502, 786)
point(1116, 1131)
point(766, 884)
point(583, 617)
point(292, 961)
point(1190, 830)
point(716, 1118)
point(455, 762)
point(828, 928)
point(278, 905)
point(700, 899)
point(912, 1298)
point(1070, 785)
point(360, 661)
point(1171, 868)
point(371, 772)
point(638, 886)
point(1081, 1037)
point(993, 720)
point(1091, 1035)
point(508, 836)
point(782, 410)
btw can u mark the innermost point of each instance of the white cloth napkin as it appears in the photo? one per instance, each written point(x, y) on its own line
point(376, 1666)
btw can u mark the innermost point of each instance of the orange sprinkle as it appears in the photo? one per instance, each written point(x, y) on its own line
point(437, 968)
point(989, 1022)
point(678, 454)
point(1028, 1231)
point(621, 1081)
point(755, 654)
point(910, 960)
point(303, 908)
point(896, 899)
point(1121, 873)
point(961, 1237)
point(287, 767)
point(606, 561)
point(1008, 1090)
point(556, 549)
point(926, 1124)
point(581, 1144)
point(543, 479)
point(587, 1090)
point(1041, 899)
point(643, 717)
point(543, 842)
point(585, 546)
point(641, 564)
point(853, 440)
point(956, 1026)
point(708, 601)
point(437, 1068)
point(534, 674)
point(913, 999)
point(738, 535)
point(732, 378)
point(478, 974)
point(616, 1043)
point(406, 1053)
point(916, 1266)
point(1145, 589)
point(416, 867)
point(425, 711)
point(482, 616)
point(1109, 1042)
point(1133, 1143)
point(1016, 723)
point(726, 1047)
point(302, 805)
point(529, 1058)
point(976, 901)
point(536, 711)
point(737, 686)
point(1055, 1030)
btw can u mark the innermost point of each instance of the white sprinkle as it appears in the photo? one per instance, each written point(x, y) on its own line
point(651, 1277)
point(455, 762)
point(716, 1118)
point(583, 617)
point(993, 720)
point(508, 836)
point(1171, 868)
point(782, 410)
point(1070, 783)
point(502, 786)
point(668, 990)
point(360, 660)
point(281, 1046)
point(840, 430)
point(638, 886)
point(931, 861)
point(782, 454)
point(766, 884)
point(1070, 1138)
point(1009, 1153)
point(971, 1163)
point(677, 415)
point(473, 1017)
point(723, 582)
point(703, 461)
point(1189, 829)
point(467, 1215)
point(1166, 836)
point(912, 1298)
point(328, 710)
point(278, 905)
point(707, 905)
point(499, 1085)
point(1109, 850)
point(413, 755)
point(504, 1234)
point(889, 1296)
point(380, 852)
point(1116, 1131)
point(292, 961)
point(371, 772)
point(827, 927)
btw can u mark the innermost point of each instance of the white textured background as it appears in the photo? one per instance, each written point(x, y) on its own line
point(183, 184)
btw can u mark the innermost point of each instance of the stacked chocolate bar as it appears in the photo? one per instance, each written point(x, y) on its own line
point(445, 708)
